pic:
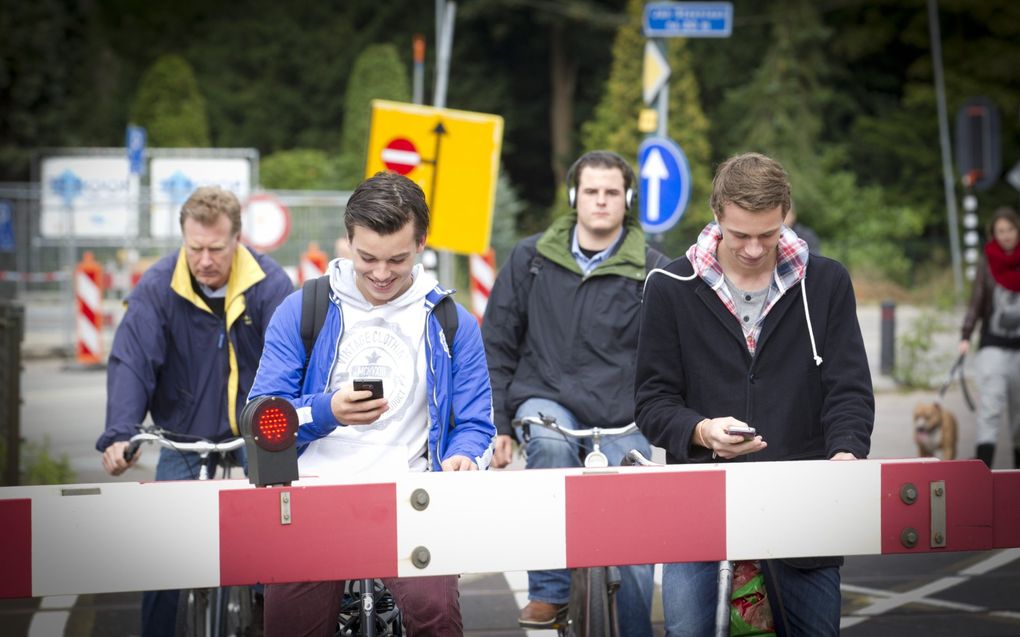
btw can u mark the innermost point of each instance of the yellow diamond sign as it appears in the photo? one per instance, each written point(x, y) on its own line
point(656, 72)
point(454, 157)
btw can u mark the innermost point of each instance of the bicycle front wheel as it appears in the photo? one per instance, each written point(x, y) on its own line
point(387, 618)
point(589, 604)
point(241, 612)
point(193, 613)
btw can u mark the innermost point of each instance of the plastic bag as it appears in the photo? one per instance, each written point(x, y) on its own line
point(750, 613)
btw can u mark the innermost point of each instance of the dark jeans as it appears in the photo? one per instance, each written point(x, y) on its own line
point(430, 606)
point(808, 599)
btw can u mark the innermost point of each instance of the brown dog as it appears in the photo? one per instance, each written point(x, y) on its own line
point(934, 430)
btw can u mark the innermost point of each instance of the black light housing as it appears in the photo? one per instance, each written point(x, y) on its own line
point(269, 425)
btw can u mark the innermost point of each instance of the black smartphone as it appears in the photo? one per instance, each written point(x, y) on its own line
point(746, 432)
point(372, 384)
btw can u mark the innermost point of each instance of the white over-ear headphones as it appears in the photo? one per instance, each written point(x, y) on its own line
point(604, 158)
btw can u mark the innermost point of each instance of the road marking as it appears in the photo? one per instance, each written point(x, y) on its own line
point(997, 560)
point(893, 600)
point(53, 621)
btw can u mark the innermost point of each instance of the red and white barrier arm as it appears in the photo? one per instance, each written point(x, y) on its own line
point(32, 277)
point(114, 537)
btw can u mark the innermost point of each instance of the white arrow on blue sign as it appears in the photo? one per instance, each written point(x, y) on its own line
point(665, 179)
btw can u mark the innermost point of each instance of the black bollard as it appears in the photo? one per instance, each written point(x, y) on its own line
point(888, 355)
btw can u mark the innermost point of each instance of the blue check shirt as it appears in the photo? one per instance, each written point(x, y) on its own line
point(588, 264)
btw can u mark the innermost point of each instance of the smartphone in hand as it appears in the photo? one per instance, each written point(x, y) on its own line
point(737, 430)
point(372, 384)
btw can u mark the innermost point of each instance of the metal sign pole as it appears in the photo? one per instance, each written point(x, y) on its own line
point(444, 27)
point(947, 166)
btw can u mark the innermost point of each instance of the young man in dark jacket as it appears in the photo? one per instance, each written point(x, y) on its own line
point(187, 349)
point(737, 334)
point(560, 335)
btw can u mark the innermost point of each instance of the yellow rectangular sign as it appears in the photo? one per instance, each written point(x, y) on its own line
point(454, 157)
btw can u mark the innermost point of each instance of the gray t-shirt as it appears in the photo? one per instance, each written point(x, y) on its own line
point(748, 305)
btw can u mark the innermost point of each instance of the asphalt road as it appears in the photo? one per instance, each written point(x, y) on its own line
point(973, 594)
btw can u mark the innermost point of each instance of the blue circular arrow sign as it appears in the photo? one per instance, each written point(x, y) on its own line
point(665, 179)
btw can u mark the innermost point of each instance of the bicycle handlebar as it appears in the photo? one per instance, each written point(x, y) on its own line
point(635, 457)
point(201, 447)
point(550, 423)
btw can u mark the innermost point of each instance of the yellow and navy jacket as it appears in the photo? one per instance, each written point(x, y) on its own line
point(173, 358)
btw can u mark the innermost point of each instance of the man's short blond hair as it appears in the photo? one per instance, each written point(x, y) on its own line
point(750, 181)
point(208, 203)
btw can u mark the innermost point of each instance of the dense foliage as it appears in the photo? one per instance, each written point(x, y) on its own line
point(841, 91)
point(170, 107)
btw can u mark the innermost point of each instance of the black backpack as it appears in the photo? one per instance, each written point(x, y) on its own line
point(315, 302)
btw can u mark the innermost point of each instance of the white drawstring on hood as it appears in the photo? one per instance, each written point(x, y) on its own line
point(793, 263)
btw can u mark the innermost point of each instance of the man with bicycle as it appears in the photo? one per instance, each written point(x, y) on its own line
point(187, 349)
point(561, 330)
point(435, 408)
point(738, 337)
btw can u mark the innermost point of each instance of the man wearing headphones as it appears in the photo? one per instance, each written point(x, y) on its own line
point(561, 332)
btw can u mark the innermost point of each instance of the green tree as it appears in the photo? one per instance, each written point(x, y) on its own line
point(505, 212)
point(614, 125)
point(894, 136)
point(782, 112)
point(170, 106)
point(378, 73)
point(38, 90)
point(779, 112)
point(299, 169)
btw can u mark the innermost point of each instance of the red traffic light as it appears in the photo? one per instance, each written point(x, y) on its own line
point(272, 423)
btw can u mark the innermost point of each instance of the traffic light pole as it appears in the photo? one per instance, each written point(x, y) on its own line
point(947, 165)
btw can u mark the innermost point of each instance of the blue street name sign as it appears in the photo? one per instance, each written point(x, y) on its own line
point(665, 179)
point(134, 140)
point(688, 20)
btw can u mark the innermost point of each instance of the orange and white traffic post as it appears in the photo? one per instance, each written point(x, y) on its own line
point(483, 274)
point(312, 264)
point(88, 293)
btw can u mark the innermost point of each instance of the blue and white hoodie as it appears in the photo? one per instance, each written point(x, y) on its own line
point(402, 343)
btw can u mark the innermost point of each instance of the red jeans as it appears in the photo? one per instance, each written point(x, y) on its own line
point(429, 606)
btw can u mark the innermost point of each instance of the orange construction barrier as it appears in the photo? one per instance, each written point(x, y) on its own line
point(483, 274)
point(313, 263)
point(88, 293)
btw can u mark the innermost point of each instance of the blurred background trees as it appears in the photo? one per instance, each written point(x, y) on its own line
point(840, 91)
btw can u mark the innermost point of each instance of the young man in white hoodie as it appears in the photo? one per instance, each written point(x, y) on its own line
point(436, 411)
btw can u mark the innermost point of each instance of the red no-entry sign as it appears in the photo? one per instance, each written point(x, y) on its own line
point(401, 156)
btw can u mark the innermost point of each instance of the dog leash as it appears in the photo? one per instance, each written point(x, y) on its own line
point(957, 369)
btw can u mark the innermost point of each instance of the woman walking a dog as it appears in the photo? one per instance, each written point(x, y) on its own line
point(995, 303)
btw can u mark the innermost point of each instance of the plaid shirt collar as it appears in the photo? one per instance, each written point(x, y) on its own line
point(791, 267)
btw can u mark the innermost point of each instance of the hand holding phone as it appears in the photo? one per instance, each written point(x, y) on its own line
point(746, 432)
point(372, 384)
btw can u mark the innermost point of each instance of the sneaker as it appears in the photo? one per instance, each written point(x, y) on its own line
point(541, 614)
